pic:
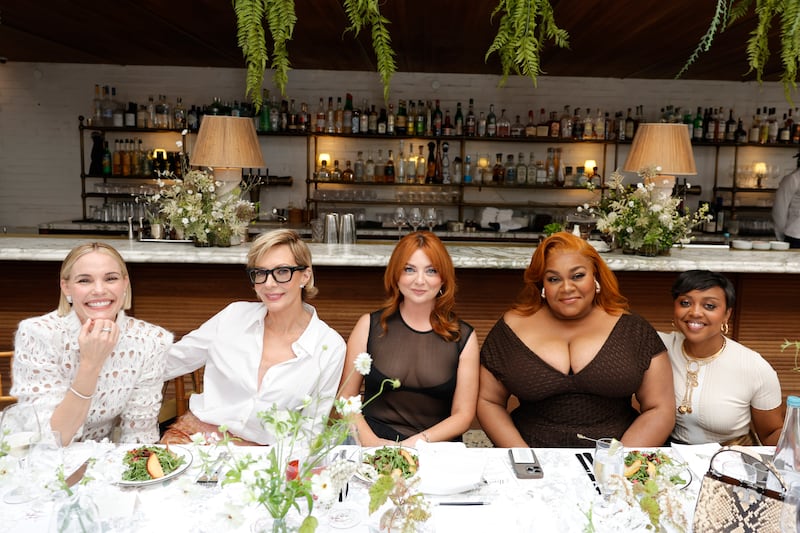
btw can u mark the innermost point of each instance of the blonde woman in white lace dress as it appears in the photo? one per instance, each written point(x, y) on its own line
point(87, 367)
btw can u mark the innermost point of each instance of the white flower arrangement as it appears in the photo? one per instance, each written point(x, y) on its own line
point(191, 206)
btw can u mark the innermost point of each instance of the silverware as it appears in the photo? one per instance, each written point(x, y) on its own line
point(582, 461)
point(210, 476)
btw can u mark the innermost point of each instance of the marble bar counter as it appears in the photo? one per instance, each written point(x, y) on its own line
point(179, 286)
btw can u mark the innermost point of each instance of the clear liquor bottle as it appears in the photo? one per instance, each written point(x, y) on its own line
point(531, 174)
point(510, 177)
point(522, 170)
point(97, 106)
point(323, 174)
point(369, 169)
point(358, 170)
point(445, 171)
point(504, 126)
point(411, 165)
point(380, 165)
point(530, 127)
point(459, 120)
point(336, 172)
point(422, 167)
point(330, 117)
point(338, 116)
point(517, 128)
point(363, 126)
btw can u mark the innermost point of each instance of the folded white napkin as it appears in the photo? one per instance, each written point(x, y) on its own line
point(448, 467)
point(493, 214)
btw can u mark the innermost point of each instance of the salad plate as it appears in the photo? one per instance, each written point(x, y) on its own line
point(383, 459)
point(180, 451)
point(641, 465)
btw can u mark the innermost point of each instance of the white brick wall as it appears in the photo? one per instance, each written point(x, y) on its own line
point(40, 103)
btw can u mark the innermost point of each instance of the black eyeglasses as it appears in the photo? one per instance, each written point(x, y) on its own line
point(280, 274)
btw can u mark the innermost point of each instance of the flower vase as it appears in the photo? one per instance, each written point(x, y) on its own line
point(271, 524)
point(648, 250)
point(220, 241)
point(200, 244)
point(76, 513)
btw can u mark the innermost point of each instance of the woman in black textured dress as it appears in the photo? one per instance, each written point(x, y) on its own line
point(573, 355)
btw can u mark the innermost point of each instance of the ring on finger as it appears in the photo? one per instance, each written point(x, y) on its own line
point(106, 330)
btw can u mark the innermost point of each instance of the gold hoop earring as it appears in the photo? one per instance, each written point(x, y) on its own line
point(724, 328)
point(543, 296)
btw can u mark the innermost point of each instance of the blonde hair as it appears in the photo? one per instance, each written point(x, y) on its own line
point(79, 251)
point(279, 237)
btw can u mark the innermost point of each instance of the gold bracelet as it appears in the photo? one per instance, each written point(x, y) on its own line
point(79, 395)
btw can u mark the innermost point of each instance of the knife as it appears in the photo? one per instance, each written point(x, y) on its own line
point(588, 470)
point(77, 475)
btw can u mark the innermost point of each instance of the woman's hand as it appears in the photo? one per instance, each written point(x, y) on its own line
point(97, 340)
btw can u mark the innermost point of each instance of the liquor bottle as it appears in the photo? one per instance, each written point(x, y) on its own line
point(740, 135)
point(498, 170)
point(401, 121)
point(764, 121)
point(510, 177)
point(107, 108)
point(471, 124)
point(531, 170)
point(116, 159)
point(447, 127)
point(97, 107)
point(517, 128)
point(411, 165)
point(400, 166)
point(383, 121)
point(130, 116)
point(522, 170)
point(179, 115)
point(422, 167)
point(429, 126)
point(559, 166)
point(323, 174)
point(347, 114)
point(503, 125)
point(336, 172)
point(380, 167)
point(391, 119)
point(530, 127)
point(438, 120)
point(430, 172)
point(550, 167)
point(600, 131)
point(421, 118)
point(369, 169)
point(355, 121)
point(388, 169)
point(630, 125)
point(363, 127)
point(445, 167)
point(372, 123)
point(411, 122)
point(481, 125)
point(330, 117)
point(784, 133)
point(319, 125)
point(338, 116)
point(459, 120)
point(730, 127)
point(708, 126)
point(755, 127)
point(772, 135)
point(795, 131)
point(588, 125)
point(491, 122)
point(347, 174)
point(302, 117)
point(555, 125)
point(542, 127)
point(162, 111)
point(577, 124)
point(107, 159)
point(467, 170)
point(264, 123)
point(118, 114)
point(358, 170)
point(566, 123)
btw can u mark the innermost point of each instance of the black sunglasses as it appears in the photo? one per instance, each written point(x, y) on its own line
point(279, 274)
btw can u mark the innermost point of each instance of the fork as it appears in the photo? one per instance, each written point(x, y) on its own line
point(210, 476)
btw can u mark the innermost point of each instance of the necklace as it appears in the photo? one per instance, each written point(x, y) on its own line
point(692, 370)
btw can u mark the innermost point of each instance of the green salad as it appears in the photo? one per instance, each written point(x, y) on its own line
point(139, 466)
point(385, 460)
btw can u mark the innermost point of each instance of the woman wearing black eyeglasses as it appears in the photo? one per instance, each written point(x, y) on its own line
point(258, 354)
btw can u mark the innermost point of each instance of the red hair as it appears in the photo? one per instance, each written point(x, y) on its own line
point(443, 318)
point(530, 298)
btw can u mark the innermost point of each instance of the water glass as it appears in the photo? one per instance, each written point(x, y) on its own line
point(609, 462)
point(790, 518)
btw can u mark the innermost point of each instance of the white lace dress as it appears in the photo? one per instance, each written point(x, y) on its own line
point(46, 359)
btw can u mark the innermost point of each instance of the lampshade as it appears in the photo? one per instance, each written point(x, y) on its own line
point(665, 145)
point(227, 144)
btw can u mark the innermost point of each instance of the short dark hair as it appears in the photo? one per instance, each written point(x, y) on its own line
point(701, 280)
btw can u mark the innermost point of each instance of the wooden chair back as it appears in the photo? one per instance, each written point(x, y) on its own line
point(177, 392)
point(6, 362)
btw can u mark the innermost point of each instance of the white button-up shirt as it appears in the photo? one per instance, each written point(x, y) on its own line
point(230, 345)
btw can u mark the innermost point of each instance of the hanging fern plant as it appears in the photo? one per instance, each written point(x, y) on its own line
point(524, 28)
point(787, 12)
point(281, 18)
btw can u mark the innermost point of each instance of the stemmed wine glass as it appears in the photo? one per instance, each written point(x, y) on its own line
point(342, 513)
point(431, 218)
point(399, 220)
point(20, 431)
point(415, 218)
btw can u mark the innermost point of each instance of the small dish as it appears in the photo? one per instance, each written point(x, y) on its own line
point(742, 245)
point(778, 245)
point(760, 245)
point(179, 450)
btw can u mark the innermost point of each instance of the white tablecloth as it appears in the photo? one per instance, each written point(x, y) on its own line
point(560, 501)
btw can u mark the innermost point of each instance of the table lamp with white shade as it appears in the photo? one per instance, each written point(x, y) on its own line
point(227, 145)
point(664, 145)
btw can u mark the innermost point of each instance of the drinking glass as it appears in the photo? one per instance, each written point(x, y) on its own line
point(415, 218)
point(20, 430)
point(790, 517)
point(343, 514)
point(399, 220)
point(431, 218)
point(609, 461)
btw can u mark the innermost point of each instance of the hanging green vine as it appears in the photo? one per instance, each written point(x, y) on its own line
point(517, 43)
point(251, 38)
point(368, 13)
point(786, 11)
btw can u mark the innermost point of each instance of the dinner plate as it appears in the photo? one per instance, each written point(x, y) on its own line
point(685, 473)
point(367, 473)
point(179, 450)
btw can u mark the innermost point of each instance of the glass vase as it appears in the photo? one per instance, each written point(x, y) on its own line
point(648, 250)
point(76, 513)
point(269, 524)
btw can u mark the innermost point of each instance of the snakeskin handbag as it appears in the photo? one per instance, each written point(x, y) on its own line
point(726, 504)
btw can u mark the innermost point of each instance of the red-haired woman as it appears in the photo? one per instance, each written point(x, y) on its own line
point(574, 355)
point(416, 338)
